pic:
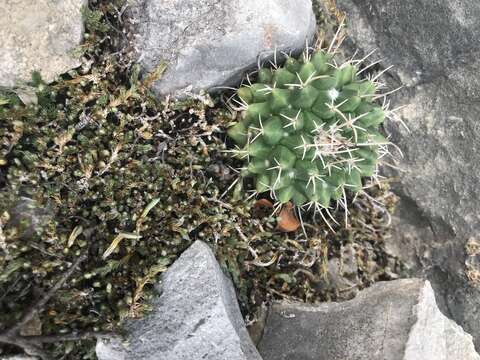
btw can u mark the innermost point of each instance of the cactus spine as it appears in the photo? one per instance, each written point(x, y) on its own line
point(310, 130)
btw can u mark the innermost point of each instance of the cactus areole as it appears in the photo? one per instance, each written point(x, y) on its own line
point(310, 130)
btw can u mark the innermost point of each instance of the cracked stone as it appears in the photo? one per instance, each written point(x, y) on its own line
point(396, 320)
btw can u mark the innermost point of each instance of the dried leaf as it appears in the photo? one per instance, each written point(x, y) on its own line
point(74, 234)
point(117, 241)
point(287, 220)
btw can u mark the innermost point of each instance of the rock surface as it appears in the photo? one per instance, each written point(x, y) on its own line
point(38, 35)
point(342, 274)
point(397, 320)
point(195, 317)
point(435, 47)
point(213, 42)
point(28, 217)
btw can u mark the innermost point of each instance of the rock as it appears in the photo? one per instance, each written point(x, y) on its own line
point(396, 320)
point(212, 43)
point(196, 316)
point(342, 274)
point(109, 349)
point(28, 217)
point(38, 35)
point(436, 58)
point(32, 327)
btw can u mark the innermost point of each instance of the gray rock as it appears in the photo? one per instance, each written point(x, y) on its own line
point(28, 217)
point(111, 349)
point(38, 35)
point(195, 317)
point(435, 47)
point(213, 42)
point(397, 320)
point(342, 274)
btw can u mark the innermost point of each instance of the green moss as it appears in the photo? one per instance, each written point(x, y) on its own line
point(94, 20)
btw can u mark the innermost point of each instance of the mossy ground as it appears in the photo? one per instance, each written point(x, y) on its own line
point(95, 153)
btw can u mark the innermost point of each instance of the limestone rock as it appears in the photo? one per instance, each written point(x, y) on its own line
point(196, 316)
point(29, 218)
point(213, 42)
point(38, 35)
point(110, 349)
point(397, 320)
point(435, 47)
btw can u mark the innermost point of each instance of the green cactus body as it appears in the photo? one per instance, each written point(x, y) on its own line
point(309, 131)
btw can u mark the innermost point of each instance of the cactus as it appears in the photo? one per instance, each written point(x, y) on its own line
point(310, 130)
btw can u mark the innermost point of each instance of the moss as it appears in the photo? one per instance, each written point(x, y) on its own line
point(93, 20)
point(94, 154)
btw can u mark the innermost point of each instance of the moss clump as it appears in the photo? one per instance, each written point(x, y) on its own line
point(81, 168)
